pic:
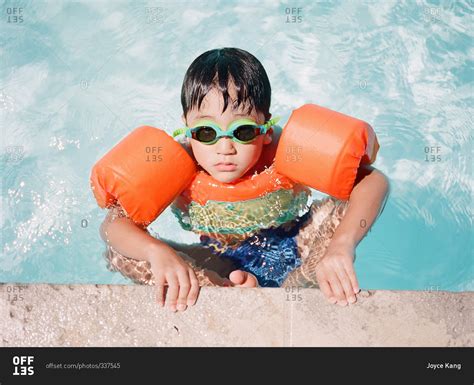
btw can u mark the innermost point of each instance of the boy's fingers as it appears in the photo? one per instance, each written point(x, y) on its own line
point(173, 290)
point(352, 276)
point(194, 291)
point(326, 289)
point(346, 285)
point(160, 288)
point(337, 289)
point(184, 287)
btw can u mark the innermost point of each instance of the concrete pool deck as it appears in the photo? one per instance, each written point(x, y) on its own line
point(44, 315)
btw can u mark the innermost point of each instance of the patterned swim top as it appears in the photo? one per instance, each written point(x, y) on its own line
point(233, 222)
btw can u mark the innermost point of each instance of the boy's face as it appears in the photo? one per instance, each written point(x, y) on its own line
point(242, 157)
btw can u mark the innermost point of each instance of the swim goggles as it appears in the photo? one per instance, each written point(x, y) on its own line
point(241, 131)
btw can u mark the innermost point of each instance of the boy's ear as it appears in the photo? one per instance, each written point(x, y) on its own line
point(267, 139)
point(183, 119)
point(269, 135)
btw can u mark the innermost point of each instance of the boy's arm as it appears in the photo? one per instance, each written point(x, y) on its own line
point(335, 272)
point(167, 266)
point(369, 193)
point(127, 238)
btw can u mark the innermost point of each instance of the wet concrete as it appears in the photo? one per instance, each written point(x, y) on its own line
point(125, 315)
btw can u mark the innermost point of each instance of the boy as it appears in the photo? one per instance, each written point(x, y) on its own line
point(223, 85)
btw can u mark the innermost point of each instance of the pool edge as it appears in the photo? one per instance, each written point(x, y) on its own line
point(125, 315)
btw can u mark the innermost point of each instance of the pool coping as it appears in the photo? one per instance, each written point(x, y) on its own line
point(45, 315)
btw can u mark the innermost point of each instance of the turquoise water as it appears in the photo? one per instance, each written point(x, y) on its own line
point(76, 77)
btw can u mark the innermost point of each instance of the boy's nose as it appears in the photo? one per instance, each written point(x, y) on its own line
point(225, 145)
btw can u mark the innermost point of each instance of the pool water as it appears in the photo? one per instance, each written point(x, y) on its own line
point(76, 77)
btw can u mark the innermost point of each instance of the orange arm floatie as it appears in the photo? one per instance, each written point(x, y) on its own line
point(323, 149)
point(144, 173)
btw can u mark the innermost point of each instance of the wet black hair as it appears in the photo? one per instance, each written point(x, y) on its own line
point(215, 68)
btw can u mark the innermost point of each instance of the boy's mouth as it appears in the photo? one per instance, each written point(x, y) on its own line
point(225, 166)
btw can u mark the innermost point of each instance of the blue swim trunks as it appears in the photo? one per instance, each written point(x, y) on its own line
point(271, 254)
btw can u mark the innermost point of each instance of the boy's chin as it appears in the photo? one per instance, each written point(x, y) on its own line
point(226, 177)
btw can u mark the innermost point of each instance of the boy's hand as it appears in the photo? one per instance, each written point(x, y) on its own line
point(335, 274)
point(170, 269)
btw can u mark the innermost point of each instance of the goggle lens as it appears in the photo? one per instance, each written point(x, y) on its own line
point(205, 134)
point(246, 133)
